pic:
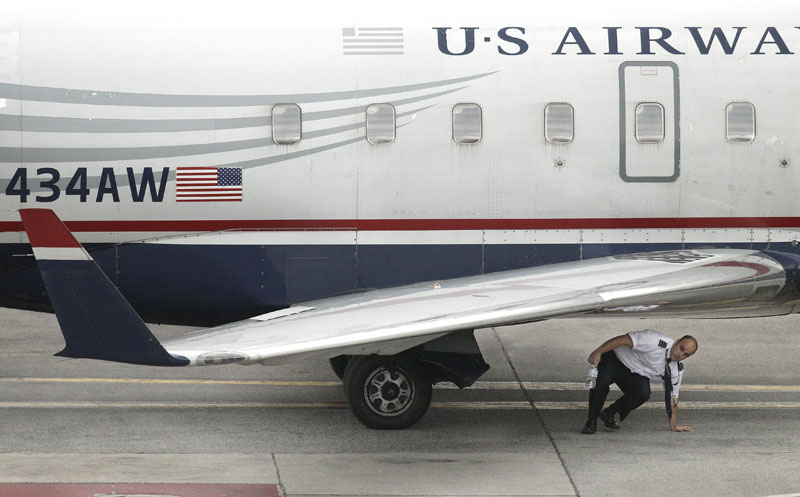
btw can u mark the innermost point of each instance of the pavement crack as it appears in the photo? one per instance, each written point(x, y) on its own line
point(536, 412)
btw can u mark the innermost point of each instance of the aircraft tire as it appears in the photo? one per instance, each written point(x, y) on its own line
point(387, 392)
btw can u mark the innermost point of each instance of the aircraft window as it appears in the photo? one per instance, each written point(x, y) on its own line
point(740, 118)
point(380, 123)
point(467, 123)
point(558, 123)
point(650, 123)
point(286, 124)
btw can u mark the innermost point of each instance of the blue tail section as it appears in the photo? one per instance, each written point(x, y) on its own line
point(96, 320)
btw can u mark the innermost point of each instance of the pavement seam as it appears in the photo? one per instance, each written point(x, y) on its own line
point(537, 413)
point(281, 486)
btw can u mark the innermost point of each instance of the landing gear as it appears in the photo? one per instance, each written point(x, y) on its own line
point(392, 392)
point(387, 392)
point(339, 364)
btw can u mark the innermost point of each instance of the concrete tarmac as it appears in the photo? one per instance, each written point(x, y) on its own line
point(515, 433)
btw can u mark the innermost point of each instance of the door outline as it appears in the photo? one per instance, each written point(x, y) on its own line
point(623, 124)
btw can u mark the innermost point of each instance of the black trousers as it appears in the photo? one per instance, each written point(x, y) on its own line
point(635, 387)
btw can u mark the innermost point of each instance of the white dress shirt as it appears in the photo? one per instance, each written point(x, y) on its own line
point(648, 357)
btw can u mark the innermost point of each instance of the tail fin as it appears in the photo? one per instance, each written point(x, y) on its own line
point(96, 320)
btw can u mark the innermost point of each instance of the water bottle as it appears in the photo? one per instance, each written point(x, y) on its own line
point(591, 378)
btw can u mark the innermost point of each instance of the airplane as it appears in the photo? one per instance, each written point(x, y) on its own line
point(370, 187)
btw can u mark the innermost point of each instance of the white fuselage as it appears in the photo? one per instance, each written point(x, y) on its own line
point(99, 99)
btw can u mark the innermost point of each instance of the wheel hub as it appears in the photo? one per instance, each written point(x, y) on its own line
point(389, 391)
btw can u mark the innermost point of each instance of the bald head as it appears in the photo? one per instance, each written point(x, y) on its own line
point(683, 348)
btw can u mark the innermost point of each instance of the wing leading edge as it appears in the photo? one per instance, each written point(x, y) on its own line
point(695, 283)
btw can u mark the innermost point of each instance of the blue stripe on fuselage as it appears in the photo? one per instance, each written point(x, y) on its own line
point(205, 285)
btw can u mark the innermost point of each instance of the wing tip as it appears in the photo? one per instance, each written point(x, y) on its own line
point(46, 230)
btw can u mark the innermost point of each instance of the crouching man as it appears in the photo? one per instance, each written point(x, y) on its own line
point(631, 361)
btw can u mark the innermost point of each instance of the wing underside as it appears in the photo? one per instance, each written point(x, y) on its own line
point(688, 283)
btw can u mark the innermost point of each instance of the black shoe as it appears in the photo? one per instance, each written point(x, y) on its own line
point(608, 420)
point(590, 428)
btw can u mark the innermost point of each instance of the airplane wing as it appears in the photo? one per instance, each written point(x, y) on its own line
point(684, 283)
point(689, 283)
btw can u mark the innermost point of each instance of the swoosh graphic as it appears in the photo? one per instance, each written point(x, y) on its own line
point(46, 124)
point(54, 155)
point(302, 153)
point(94, 97)
point(68, 154)
point(93, 182)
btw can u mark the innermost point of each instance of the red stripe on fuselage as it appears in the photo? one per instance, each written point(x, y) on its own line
point(424, 224)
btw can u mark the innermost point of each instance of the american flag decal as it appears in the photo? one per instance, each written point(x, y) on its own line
point(372, 41)
point(209, 184)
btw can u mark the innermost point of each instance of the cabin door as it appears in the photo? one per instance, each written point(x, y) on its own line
point(649, 121)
